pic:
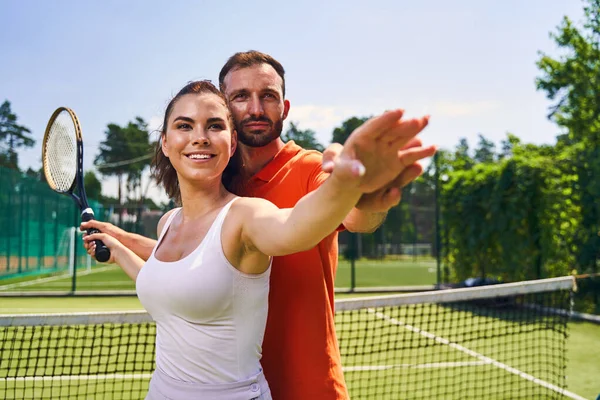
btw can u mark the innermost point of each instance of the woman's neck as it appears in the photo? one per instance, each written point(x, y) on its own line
point(198, 201)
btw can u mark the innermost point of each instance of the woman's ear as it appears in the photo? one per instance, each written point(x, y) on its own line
point(163, 145)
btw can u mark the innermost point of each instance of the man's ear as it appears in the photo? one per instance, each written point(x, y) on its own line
point(286, 108)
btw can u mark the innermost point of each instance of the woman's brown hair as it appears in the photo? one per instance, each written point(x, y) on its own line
point(162, 169)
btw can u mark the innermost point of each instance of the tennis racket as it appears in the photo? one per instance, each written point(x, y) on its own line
point(62, 157)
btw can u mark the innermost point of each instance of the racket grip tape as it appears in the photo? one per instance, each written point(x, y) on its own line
point(102, 252)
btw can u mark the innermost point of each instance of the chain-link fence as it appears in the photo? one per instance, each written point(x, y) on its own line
point(36, 235)
point(412, 250)
point(401, 254)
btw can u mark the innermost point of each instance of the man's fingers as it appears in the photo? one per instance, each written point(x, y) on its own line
point(409, 174)
point(391, 197)
point(414, 142)
point(410, 156)
point(330, 155)
point(404, 131)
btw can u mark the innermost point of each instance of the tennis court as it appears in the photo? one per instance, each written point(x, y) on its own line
point(101, 277)
point(423, 349)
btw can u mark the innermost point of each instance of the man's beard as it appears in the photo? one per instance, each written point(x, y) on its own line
point(261, 139)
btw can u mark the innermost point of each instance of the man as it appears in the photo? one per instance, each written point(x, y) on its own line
point(301, 357)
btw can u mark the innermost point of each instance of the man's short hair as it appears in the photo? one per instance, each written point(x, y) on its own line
point(248, 59)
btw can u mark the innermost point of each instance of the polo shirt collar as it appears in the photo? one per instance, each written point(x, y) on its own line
point(289, 150)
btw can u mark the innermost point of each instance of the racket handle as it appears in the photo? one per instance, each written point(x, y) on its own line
point(102, 252)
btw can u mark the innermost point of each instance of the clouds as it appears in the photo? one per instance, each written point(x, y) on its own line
point(464, 109)
point(322, 119)
point(155, 125)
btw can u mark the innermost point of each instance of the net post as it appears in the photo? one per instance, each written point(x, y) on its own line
point(74, 255)
point(29, 196)
point(72, 241)
point(9, 226)
point(21, 223)
point(42, 244)
point(57, 208)
point(438, 241)
point(354, 255)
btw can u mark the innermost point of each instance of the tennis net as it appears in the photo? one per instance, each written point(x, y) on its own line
point(497, 342)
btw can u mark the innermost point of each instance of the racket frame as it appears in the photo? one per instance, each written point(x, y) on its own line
point(80, 197)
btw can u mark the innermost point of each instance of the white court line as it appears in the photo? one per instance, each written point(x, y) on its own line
point(479, 356)
point(55, 278)
point(418, 366)
point(94, 283)
point(148, 376)
point(76, 377)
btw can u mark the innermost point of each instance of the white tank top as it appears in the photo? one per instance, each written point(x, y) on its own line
point(210, 317)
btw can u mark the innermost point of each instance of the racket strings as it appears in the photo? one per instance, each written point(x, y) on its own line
point(61, 153)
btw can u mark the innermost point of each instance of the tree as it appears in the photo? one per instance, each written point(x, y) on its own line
point(141, 149)
point(14, 135)
point(125, 153)
point(31, 173)
point(462, 158)
point(113, 151)
point(93, 187)
point(572, 81)
point(485, 151)
point(303, 138)
point(341, 133)
point(507, 145)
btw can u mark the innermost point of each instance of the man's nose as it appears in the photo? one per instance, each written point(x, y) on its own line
point(255, 107)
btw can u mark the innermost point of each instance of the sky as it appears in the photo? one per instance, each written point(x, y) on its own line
point(470, 64)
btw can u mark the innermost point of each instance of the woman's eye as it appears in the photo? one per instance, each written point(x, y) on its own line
point(216, 127)
point(184, 126)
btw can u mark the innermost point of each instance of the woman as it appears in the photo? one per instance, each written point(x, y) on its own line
point(206, 283)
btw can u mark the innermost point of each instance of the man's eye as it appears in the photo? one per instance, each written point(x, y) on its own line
point(239, 96)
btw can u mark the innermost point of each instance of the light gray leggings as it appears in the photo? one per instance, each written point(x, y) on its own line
point(163, 387)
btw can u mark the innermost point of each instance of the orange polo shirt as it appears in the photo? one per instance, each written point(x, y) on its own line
point(301, 358)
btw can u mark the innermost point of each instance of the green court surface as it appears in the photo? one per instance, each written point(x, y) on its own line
point(386, 273)
point(396, 273)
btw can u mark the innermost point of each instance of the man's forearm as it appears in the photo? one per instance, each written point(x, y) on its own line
point(140, 245)
point(364, 221)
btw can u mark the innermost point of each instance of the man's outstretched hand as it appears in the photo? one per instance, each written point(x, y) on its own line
point(390, 152)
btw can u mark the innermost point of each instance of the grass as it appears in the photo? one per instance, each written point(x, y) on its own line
point(583, 359)
point(368, 273)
